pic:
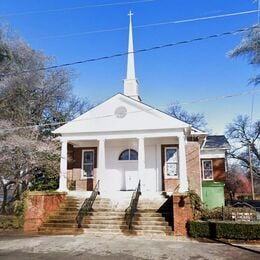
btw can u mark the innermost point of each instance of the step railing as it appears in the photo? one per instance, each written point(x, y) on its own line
point(87, 205)
point(130, 211)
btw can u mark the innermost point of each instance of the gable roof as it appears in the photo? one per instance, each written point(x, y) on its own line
point(136, 116)
point(216, 142)
point(195, 131)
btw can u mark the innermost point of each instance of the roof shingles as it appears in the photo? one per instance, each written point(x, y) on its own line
point(216, 141)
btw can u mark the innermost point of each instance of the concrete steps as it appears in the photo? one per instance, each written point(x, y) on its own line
point(117, 221)
point(100, 231)
point(101, 217)
point(149, 220)
point(150, 223)
point(61, 220)
point(59, 225)
point(151, 227)
point(108, 217)
point(119, 226)
point(151, 233)
point(60, 231)
point(102, 213)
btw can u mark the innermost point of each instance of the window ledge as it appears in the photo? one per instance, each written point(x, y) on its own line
point(171, 178)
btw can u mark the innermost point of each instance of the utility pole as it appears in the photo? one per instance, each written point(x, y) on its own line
point(251, 173)
point(252, 110)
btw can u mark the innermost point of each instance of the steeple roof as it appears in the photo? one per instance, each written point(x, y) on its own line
point(130, 57)
point(131, 83)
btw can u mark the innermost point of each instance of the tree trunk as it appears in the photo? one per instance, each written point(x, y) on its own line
point(4, 203)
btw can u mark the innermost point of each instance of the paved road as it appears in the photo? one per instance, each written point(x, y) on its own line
point(114, 247)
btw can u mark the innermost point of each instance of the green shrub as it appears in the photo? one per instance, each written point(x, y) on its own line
point(226, 212)
point(10, 222)
point(215, 213)
point(72, 185)
point(198, 229)
point(46, 177)
point(196, 204)
point(17, 207)
point(245, 231)
point(224, 229)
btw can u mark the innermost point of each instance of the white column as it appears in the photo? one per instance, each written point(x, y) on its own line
point(159, 168)
point(141, 159)
point(63, 167)
point(101, 163)
point(182, 166)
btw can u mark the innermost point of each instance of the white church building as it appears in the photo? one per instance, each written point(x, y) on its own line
point(124, 140)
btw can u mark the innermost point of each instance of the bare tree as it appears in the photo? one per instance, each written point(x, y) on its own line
point(197, 120)
point(237, 180)
point(5, 55)
point(242, 136)
point(250, 48)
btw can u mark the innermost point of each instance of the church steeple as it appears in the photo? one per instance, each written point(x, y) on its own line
point(131, 83)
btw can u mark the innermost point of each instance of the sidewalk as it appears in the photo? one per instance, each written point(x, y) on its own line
point(118, 247)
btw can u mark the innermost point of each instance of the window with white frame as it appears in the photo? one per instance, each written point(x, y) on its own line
point(128, 155)
point(88, 163)
point(207, 169)
point(171, 162)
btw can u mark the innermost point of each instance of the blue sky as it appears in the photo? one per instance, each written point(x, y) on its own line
point(183, 73)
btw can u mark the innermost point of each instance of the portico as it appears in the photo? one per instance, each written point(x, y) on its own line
point(123, 173)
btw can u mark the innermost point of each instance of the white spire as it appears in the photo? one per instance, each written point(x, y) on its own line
point(131, 83)
point(131, 59)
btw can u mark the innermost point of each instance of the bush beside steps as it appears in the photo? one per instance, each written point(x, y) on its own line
point(10, 222)
point(224, 229)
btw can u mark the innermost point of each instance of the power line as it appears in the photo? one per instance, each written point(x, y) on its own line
point(61, 36)
point(126, 53)
point(222, 97)
point(135, 111)
point(75, 8)
point(199, 18)
point(66, 35)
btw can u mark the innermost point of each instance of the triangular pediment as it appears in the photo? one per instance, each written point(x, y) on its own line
point(121, 113)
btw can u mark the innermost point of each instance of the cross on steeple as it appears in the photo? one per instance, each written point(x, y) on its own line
point(130, 13)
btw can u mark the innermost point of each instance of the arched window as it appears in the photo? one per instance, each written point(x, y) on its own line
point(128, 155)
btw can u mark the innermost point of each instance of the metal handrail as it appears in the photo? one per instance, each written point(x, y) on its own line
point(130, 211)
point(87, 205)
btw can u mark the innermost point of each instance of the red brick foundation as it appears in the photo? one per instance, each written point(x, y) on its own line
point(182, 212)
point(39, 205)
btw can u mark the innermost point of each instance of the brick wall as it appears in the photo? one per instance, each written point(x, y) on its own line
point(182, 212)
point(75, 168)
point(171, 185)
point(219, 173)
point(193, 166)
point(39, 205)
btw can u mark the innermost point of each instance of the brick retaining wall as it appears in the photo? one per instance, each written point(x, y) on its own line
point(39, 205)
